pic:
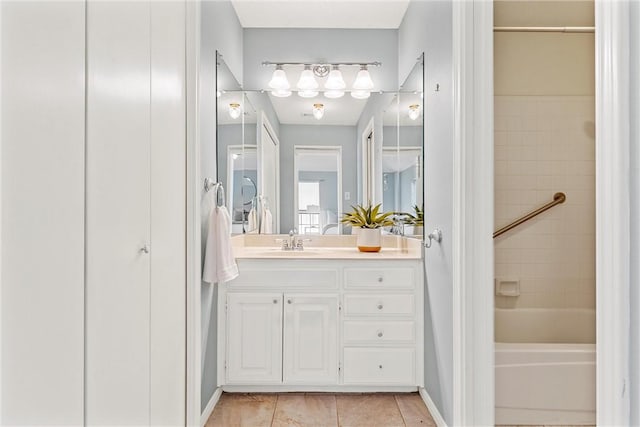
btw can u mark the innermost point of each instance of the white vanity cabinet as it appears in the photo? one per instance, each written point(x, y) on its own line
point(323, 325)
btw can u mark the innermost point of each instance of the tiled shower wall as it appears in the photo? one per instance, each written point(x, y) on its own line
point(543, 145)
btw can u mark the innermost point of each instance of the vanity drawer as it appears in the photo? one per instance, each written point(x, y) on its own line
point(392, 277)
point(286, 277)
point(368, 365)
point(378, 304)
point(373, 331)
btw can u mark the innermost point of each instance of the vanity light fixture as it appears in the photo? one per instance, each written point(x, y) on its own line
point(234, 110)
point(335, 85)
point(414, 111)
point(318, 111)
point(363, 85)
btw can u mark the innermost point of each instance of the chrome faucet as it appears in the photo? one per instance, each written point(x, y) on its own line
point(294, 242)
point(398, 225)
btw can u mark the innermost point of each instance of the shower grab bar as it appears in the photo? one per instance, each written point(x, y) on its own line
point(558, 198)
point(544, 29)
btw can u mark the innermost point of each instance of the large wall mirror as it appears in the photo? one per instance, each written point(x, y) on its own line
point(294, 163)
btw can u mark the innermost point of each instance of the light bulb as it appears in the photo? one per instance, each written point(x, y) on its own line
point(363, 80)
point(281, 93)
point(234, 110)
point(318, 111)
point(307, 82)
point(335, 80)
point(414, 111)
point(307, 93)
point(360, 94)
point(279, 80)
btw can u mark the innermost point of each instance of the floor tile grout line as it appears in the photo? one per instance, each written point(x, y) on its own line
point(395, 399)
point(335, 397)
point(275, 407)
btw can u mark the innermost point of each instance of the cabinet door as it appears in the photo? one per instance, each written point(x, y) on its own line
point(254, 338)
point(310, 339)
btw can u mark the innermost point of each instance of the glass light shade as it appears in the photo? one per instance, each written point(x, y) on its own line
point(281, 93)
point(414, 111)
point(360, 94)
point(318, 111)
point(335, 80)
point(234, 110)
point(279, 79)
point(307, 93)
point(332, 94)
point(307, 81)
point(363, 80)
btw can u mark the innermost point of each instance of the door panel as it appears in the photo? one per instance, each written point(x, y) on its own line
point(117, 213)
point(310, 339)
point(254, 338)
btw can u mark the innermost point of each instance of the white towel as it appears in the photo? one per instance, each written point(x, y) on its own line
point(252, 221)
point(219, 263)
point(267, 221)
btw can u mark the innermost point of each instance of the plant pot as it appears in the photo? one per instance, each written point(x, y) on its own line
point(369, 239)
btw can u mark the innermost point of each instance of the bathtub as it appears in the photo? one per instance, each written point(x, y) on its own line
point(545, 366)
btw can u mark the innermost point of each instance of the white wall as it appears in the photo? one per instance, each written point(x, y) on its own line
point(42, 212)
point(634, 356)
point(427, 27)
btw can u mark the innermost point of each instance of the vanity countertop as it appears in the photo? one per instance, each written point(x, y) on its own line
point(324, 247)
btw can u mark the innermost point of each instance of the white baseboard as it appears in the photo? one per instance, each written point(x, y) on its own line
point(208, 410)
point(433, 409)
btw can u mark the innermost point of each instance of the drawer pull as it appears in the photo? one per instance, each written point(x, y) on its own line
point(380, 306)
point(275, 301)
point(289, 301)
point(380, 366)
point(380, 279)
point(380, 334)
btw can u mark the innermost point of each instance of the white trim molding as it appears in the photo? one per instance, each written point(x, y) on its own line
point(433, 409)
point(473, 346)
point(194, 190)
point(612, 211)
point(208, 410)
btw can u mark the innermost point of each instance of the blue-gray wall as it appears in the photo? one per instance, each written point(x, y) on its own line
point(634, 356)
point(410, 136)
point(221, 31)
point(427, 27)
point(291, 135)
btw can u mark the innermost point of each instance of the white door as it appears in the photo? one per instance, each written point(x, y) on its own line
point(117, 213)
point(135, 221)
point(254, 338)
point(310, 339)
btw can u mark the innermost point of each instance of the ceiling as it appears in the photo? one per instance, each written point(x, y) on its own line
point(320, 13)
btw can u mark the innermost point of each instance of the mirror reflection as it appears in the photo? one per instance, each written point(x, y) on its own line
point(295, 163)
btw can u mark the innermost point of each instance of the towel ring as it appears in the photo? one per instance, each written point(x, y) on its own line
point(210, 184)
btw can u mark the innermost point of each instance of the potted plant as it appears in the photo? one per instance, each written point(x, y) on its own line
point(369, 220)
point(416, 219)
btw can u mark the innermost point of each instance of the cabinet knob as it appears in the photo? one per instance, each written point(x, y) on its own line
point(379, 306)
point(380, 334)
point(275, 301)
point(380, 279)
point(380, 366)
point(289, 301)
point(144, 249)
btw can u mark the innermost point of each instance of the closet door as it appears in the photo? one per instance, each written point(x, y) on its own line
point(117, 213)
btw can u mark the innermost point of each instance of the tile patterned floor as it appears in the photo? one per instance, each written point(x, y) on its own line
point(320, 410)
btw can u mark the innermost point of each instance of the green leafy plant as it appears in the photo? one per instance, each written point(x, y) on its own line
point(417, 218)
point(367, 217)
